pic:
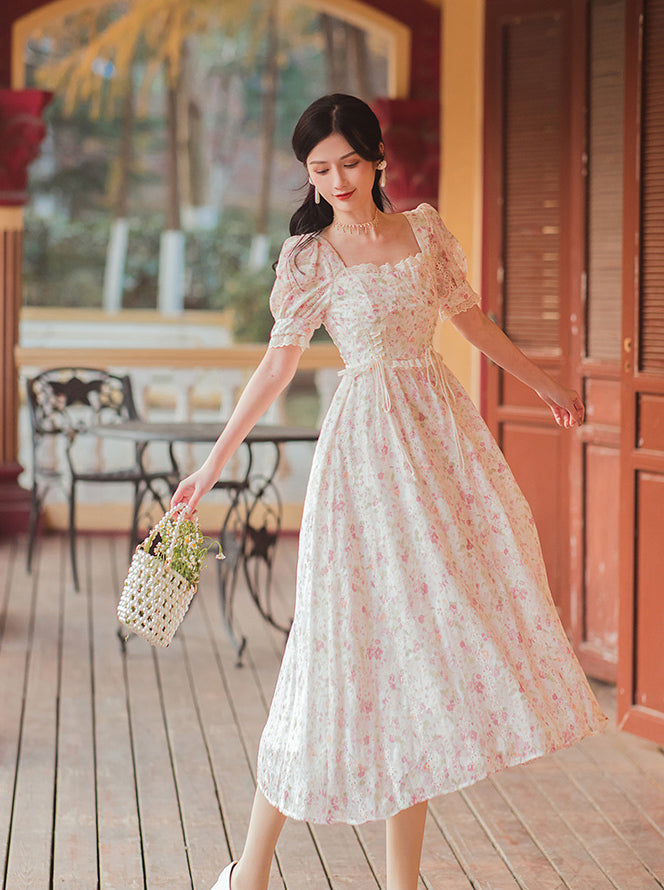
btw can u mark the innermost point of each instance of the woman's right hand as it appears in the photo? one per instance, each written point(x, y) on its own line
point(192, 489)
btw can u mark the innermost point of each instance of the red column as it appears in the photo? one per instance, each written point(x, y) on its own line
point(21, 132)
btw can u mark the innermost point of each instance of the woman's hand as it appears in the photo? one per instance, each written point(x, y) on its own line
point(566, 405)
point(192, 489)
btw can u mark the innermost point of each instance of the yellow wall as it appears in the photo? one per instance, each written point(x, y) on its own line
point(460, 200)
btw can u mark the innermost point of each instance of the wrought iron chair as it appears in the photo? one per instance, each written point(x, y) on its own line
point(64, 403)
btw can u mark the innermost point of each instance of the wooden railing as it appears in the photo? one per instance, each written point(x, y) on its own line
point(186, 384)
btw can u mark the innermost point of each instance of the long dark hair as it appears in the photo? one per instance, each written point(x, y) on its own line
point(355, 121)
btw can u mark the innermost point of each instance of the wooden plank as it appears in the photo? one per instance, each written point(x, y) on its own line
point(594, 813)
point(298, 862)
point(29, 855)
point(19, 600)
point(212, 677)
point(439, 866)
point(203, 826)
point(470, 844)
point(588, 823)
point(643, 839)
point(646, 755)
point(513, 842)
point(549, 830)
point(371, 835)
point(624, 773)
point(119, 831)
point(164, 850)
point(230, 768)
point(75, 842)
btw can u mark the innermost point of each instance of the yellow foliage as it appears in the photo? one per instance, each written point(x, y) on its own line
point(160, 27)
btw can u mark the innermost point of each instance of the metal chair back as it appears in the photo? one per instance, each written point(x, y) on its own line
point(71, 400)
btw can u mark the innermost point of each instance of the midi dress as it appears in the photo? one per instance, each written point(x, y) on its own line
point(426, 650)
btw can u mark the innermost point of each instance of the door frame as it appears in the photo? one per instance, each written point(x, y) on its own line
point(633, 717)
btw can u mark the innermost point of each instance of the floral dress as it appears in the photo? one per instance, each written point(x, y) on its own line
point(426, 650)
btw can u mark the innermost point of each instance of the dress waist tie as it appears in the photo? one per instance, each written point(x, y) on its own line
point(434, 366)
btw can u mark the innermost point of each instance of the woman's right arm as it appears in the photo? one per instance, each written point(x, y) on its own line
point(270, 378)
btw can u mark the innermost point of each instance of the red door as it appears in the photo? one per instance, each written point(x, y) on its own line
point(553, 276)
point(641, 665)
point(533, 254)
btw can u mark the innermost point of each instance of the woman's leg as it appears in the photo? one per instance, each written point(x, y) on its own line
point(253, 869)
point(403, 835)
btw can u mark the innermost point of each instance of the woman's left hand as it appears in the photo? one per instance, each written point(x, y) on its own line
point(566, 405)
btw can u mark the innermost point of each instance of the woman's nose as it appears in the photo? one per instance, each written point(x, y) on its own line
point(339, 177)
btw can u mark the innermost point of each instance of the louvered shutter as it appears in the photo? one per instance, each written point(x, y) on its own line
point(532, 169)
point(605, 182)
point(651, 313)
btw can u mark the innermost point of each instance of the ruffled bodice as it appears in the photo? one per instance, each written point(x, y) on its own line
point(363, 306)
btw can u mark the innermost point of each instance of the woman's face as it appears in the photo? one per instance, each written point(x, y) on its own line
point(342, 177)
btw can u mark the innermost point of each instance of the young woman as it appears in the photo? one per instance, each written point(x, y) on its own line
point(426, 650)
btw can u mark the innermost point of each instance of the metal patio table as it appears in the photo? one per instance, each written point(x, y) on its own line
point(252, 522)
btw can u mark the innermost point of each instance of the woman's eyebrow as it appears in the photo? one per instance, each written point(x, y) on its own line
point(342, 158)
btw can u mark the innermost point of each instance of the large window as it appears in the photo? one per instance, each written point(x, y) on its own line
point(169, 146)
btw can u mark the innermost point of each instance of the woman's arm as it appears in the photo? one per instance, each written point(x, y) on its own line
point(479, 330)
point(274, 373)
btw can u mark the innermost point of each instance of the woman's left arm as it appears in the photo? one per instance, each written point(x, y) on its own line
point(565, 404)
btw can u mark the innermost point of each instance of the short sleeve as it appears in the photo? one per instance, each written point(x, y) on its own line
point(299, 296)
point(450, 267)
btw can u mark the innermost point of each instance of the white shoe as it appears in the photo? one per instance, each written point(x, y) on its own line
point(224, 879)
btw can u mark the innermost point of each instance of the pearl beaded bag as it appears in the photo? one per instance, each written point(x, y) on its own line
point(163, 577)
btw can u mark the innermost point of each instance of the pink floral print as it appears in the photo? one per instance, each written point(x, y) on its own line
point(426, 650)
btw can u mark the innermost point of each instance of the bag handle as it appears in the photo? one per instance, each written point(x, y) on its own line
point(181, 512)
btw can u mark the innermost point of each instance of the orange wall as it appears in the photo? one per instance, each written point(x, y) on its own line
point(462, 54)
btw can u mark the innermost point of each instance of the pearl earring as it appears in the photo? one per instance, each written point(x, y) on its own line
point(316, 192)
point(381, 165)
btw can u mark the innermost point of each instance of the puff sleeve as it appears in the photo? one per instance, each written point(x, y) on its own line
point(298, 301)
point(450, 267)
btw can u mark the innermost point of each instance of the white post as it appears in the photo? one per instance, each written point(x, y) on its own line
point(116, 256)
point(171, 273)
point(260, 252)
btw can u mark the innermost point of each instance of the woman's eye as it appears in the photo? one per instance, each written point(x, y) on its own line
point(354, 164)
point(320, 172)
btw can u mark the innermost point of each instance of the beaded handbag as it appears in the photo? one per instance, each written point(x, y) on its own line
point(163, 577)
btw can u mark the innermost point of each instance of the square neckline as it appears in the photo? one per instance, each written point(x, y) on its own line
point(386, 265)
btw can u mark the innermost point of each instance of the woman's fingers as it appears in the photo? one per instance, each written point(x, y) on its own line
point(183, 494)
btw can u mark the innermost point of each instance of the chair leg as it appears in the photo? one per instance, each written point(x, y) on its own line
point(35, 509)
point(72, 534)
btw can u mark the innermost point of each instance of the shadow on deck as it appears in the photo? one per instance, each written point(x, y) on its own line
point(137, 771)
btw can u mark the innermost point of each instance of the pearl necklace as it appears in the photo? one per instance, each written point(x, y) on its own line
point(357, 228)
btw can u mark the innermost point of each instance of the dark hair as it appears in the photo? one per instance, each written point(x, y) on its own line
point(355, 121)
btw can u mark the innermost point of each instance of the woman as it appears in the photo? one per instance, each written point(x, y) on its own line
point(426, 651)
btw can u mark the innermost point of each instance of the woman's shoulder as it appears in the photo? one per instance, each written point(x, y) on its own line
point(301, 261)
point(427, 224)
point(426, 213)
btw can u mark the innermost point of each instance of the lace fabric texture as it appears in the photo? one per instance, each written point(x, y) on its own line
point(426, 650)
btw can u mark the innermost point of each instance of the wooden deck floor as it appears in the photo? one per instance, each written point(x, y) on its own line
point(137, 771)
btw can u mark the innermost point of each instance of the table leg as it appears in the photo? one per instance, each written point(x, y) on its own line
point(146, 485)
point(232, 541)
point(262, 528)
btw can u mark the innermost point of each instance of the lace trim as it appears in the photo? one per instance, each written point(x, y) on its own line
point(289, 338)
